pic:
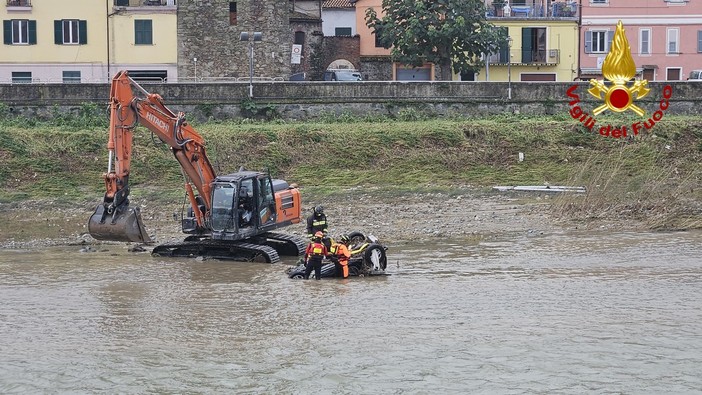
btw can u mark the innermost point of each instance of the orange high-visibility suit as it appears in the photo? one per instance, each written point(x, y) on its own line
point(342, 253)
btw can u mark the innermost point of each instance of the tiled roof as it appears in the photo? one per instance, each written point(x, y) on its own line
point(339, 4)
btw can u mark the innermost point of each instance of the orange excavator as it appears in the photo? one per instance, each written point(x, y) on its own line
point(229, 216)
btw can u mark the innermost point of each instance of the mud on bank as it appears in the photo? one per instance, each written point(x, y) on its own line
point(463, 213)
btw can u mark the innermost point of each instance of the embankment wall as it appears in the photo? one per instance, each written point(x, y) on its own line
point(309, 100)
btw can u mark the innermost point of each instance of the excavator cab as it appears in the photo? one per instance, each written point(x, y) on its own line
point(243, 205)
point(223, 207)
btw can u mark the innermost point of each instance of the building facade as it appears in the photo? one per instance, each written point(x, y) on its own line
point(665, 36)
point(88, 41)
point(237, 40)
point(543, 43)
point(339, 18)
point(376, 62)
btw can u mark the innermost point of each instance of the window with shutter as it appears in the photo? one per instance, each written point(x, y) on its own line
point(20, 31)
point(673, 34)
point(342, 31)
point(598, 41)
point(143, 32)
point(645, 41)
point(527, 45)
point(70, 31)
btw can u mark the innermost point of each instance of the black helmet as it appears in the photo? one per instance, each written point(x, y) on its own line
point(344, 239)
point(319, 209)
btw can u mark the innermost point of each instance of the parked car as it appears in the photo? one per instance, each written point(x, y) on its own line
point(342, 75)
point(695, 75)
point(298, 77)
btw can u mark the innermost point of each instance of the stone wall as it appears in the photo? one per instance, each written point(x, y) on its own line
point(376, 68)
point(206, 33)
point(308, 100)
point(340, 47)
point(313, 38)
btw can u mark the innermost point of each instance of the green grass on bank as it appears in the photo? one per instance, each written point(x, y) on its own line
point(656, 175)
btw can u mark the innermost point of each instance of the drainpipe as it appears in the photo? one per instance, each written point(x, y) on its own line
point(580, 33)
point(107, 13)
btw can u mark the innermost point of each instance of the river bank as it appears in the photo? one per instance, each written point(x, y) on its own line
point(400, 180)
point(394, 217)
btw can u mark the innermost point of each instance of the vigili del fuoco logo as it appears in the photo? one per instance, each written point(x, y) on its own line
point(620, 93)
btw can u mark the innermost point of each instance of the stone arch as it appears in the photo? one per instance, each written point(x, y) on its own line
point(342, 64)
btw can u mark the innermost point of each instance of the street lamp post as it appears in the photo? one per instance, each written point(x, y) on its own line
point(195, 63)
point(257, 36)
point(509, 68)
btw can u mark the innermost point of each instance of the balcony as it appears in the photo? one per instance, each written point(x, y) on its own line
point(557, 10)
point(539, 57)
point(19, 3)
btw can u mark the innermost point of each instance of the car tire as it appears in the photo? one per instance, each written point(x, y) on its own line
point(356, 238)
point(374, 256)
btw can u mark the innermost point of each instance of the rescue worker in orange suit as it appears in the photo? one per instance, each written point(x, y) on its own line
point(316, 251)
point(317, 222)
point(341, 253)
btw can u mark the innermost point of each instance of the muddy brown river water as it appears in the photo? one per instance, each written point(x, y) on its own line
point(555, 313)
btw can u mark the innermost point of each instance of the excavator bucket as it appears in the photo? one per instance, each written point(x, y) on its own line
point(125, 226)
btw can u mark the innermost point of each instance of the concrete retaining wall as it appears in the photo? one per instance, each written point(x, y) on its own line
point(308, 100)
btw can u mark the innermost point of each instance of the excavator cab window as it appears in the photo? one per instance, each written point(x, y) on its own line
point(266, 201)
point(246, 203)
point(223, 207)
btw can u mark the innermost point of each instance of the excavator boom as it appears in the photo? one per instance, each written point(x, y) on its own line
point(131, 105)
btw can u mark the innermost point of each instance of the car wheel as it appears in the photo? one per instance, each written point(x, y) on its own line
point(375, 257)
point(298, 276)
point(356, 238)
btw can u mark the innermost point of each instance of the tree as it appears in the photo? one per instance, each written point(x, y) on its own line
point(449, 33)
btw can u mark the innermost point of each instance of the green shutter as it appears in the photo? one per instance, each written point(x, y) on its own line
point(504, 47)
point(143, 32)
point(32, 32)
point(7, 32)
point(82, 32)
point(150, 32)
point(527, 44)
point(58, 32)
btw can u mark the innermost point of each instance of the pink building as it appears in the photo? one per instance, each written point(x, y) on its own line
point(665, 36)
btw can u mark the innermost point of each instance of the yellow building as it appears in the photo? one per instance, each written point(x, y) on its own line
point(540, 49)
point(87, 40)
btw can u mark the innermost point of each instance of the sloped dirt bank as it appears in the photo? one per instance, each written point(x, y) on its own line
point(393, 217)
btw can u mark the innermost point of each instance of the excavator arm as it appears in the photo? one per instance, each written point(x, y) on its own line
point(132, 105)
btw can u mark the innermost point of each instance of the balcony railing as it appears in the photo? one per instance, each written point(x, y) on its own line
point(557, 10)
point(19, 3)
point(533, 57)
point(140, 3)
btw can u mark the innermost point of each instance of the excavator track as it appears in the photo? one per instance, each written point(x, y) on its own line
point(219, 249)
point(285, 244)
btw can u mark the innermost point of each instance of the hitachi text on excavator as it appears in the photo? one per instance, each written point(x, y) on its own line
point(229, 217)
